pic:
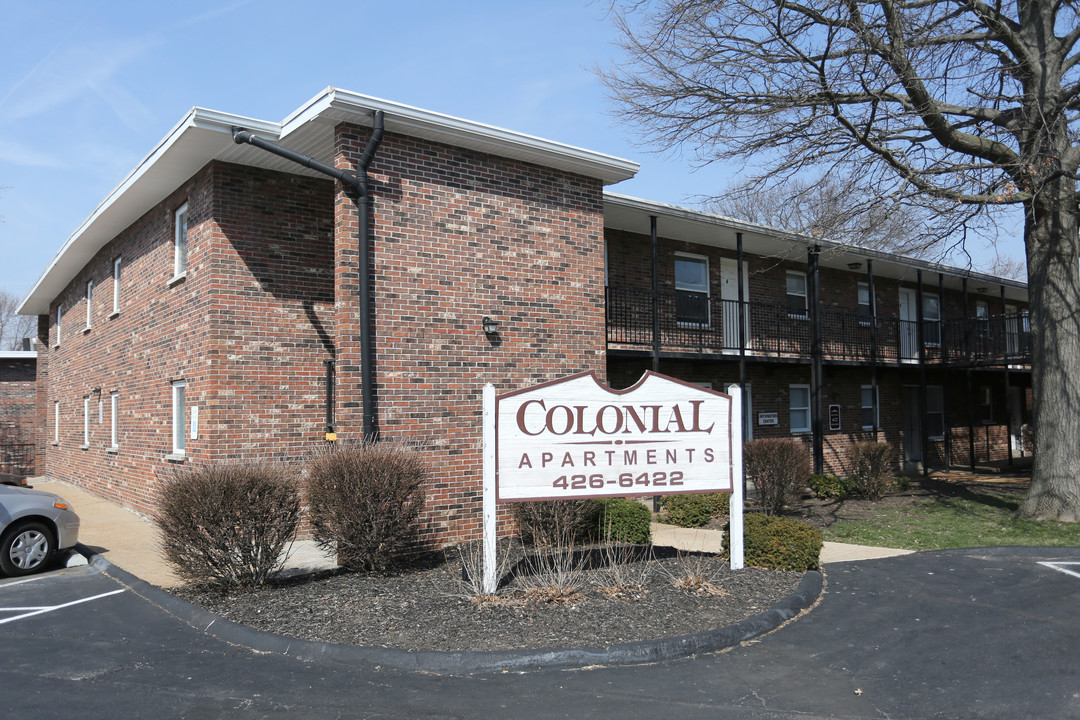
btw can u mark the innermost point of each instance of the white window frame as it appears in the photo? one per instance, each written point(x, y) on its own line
point(59, 314)
point(932, 392)
point(116, 286)
point(89, 304)
point(706, 288)
point(114, 424)
point(180, 242)
point(805, 294)
point(927, 320)
point(179, 417)
point(86, 421)
point(792, 408)
point(875, 406)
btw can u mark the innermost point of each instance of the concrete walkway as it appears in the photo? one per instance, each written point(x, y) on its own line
point(129, 540)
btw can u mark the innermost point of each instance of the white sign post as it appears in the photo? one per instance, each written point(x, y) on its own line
point(575, 438)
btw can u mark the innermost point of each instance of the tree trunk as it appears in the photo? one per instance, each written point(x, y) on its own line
point(1051, 236)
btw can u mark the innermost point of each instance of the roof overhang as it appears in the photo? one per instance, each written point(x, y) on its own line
point(18, 354)
point(205, 135)
point(676, 223)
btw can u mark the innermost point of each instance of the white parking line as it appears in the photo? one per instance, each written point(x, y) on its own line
point(1058, 566)
point(50, 608)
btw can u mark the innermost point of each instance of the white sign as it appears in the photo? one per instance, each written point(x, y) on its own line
point(575, 438)
point(768, 418)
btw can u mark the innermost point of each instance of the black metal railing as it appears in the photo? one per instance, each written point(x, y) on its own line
point(696, 322)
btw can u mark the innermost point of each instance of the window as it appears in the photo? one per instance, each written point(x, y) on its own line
point(86, 421)
point(114, 424)
point(931, 319)
point(179, 416)
point(116, 286)
point(866, 310)
point(89, 302)
point(691, 289)
point(982, 318)
point(796, 294)
point(871, 417)
point(180, 242)
point(935, 413)
point(59, 314)
point(56, 422)
point(800, 408)
point(986, 404)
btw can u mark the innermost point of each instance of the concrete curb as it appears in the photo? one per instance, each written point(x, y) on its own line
point(468, 662)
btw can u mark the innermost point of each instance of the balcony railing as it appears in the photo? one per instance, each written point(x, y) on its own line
point(695, 322)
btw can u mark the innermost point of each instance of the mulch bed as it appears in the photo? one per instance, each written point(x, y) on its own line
point(427, 606)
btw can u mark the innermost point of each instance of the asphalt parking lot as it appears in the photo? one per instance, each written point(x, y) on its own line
point(984, 633)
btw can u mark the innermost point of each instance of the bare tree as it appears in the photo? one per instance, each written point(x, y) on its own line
point(959, 106)
point(832, 207)
point(13, 328)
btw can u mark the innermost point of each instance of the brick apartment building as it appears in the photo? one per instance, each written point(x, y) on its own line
point(209, 310)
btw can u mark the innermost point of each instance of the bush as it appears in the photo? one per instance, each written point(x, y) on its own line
point(872, 465)
point(227, 525)
point(778, 468)
point(778, 543)
point(831, 487)
point(694, 510)
point(554, 523)
point(365, 501)
point(623, 520)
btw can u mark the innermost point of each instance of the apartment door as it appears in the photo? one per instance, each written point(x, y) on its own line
point(909, 325)
point(1016, 419)
point(729, 294)
point(912, 429)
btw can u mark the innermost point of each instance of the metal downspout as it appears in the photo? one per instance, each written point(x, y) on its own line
point(357, 183)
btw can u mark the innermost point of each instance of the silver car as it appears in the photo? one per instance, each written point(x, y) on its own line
point(33, 526)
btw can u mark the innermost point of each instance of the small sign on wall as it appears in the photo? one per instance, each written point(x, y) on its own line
point(768, 418)
point(834, 417)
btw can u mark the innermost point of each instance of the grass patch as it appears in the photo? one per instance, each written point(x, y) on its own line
point(967, 519)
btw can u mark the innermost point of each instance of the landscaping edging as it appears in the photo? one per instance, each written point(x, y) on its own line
point(806, 595)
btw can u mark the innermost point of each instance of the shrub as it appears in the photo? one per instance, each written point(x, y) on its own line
point(831, 487)
point(552, 523)
point(778, 468)
point(872, 465)
point(365, 501)
point(227, 525)
point(778, 543)
point(623, 520)
point(694, 510)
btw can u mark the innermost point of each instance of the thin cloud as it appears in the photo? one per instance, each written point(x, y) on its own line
point(16, 153)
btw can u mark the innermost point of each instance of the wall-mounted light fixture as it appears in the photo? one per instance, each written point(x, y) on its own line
point(96, 392)
point(854, 266)
point(490, 326)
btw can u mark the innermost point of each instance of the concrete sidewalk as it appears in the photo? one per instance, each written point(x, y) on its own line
point(129, 540)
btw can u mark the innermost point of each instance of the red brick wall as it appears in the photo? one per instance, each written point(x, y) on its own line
point(18, 389)
point(241, 329)
point(458, 236)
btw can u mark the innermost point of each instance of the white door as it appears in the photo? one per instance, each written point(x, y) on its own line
point(729, 294)
point(909, 325)
point(1016, 419)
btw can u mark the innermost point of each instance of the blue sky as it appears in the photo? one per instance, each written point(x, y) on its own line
point(88, 89)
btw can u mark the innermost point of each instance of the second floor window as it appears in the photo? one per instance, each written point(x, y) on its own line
point(931, 312)
point(796, 294)
point(982, 318)
point(866, 307)
point(89, 302)
point(116, 286)
point(692, 289)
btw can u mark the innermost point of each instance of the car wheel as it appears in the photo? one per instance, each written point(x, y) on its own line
point(26, 548)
